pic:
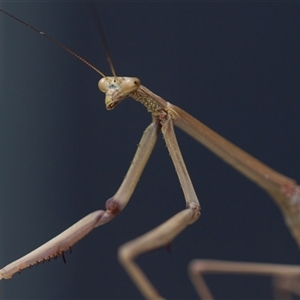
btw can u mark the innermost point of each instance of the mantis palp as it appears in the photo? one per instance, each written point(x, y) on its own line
point(201, 197)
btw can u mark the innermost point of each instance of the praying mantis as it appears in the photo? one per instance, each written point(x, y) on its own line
point(216, 175)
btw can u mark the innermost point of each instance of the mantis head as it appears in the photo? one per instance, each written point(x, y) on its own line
point(117, 89)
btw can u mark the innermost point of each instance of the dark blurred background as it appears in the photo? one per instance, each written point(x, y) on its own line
point(234, 66)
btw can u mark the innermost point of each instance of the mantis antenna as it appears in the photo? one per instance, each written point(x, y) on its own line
point(91, 7)
point(54, 41)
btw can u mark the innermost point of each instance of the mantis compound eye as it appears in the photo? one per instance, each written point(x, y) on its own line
point(129, 85)
point(103, 85)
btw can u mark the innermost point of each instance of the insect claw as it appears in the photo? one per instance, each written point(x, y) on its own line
point(169, 247)
point(63, 257)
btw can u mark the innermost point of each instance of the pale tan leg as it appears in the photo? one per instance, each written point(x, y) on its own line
point(158, 237)
point(290, 274)
point(166, 232)
point(64, 241)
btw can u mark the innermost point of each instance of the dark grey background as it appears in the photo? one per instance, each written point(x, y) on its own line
point(235, 66)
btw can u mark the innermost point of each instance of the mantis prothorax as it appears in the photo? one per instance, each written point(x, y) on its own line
point(282, 189)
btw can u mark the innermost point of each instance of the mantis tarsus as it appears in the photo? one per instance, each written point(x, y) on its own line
point(199, 190)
